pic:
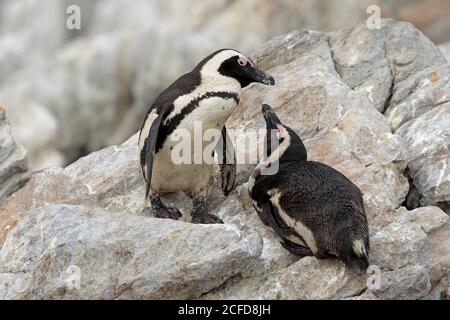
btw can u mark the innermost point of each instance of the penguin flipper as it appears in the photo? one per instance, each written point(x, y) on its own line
point(150, 149)
point(226, 156)
point(296, 249)
point(267, 215)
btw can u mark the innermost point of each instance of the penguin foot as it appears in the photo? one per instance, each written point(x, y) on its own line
point(206, 219)
point(167, 213)
point(161, 211)
point(297, 249)
point(200, 212)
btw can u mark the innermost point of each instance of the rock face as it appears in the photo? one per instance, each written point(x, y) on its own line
point(428, 141)
point(445, 48)
point(90, 253)
point(13, 162)
point(84, 231)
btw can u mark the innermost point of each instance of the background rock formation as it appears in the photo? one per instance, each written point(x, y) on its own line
point(13, 162)
point(372, 104)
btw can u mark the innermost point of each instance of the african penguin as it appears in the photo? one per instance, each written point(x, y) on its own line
point(313, 208)
point(206, 95)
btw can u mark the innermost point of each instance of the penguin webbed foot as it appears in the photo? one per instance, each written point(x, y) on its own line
point(200, 212)
point(296, 249)
point(163, 212)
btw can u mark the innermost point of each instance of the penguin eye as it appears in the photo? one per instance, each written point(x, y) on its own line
point(242, 61)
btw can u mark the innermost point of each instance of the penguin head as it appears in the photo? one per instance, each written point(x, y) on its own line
point(233, 64)
point(281, 138)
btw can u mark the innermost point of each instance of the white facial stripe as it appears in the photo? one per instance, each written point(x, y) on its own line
point(211, 81)
point(213, 65)
point(302, 230)
point(276, 154)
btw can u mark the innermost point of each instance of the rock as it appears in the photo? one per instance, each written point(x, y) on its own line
point(418, 94)
point(37, 130)
point(29, 32)
point(441, 291)
point(298, 281)
point(51, 186)
point(397, 245)
point(13, 161)
point(429, 218)
point(428, 142)
point(436, 254)
point(367, 295)
point(95, 207)
point(401, 242)
point(377, 62)
point(409, 283)
point(74, 252)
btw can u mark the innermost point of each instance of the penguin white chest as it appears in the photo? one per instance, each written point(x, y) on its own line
point(174, 170)
point(211, 113)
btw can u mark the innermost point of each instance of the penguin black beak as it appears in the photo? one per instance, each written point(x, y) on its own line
point(270, 116)
point(262, 77)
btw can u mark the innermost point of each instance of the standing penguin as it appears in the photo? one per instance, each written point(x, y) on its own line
point(207, 96)
point(313, 208)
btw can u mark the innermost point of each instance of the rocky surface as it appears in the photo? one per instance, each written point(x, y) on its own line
point(13, 161)
point(362, 103)
point(64, 245)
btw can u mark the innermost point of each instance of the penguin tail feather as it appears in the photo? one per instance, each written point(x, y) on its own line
point(355, 255)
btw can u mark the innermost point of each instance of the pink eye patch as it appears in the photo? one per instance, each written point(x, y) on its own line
point(282, 131)
point(244, 60)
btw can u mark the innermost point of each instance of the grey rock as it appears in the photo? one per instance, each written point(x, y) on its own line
point(428, 142)
point(298, 281)
point(397, 245)
point(445, 48)
point(436, 254)
point(37, 129)
point(409, 283)
point(367, 295)
point(419, 93)
point(376, 62)
point(75, 252)
point(13, 161)
point(429, 218)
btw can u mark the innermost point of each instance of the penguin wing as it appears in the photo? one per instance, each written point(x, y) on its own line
point(267, 215)
point(150, 147)
point(226, 156)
